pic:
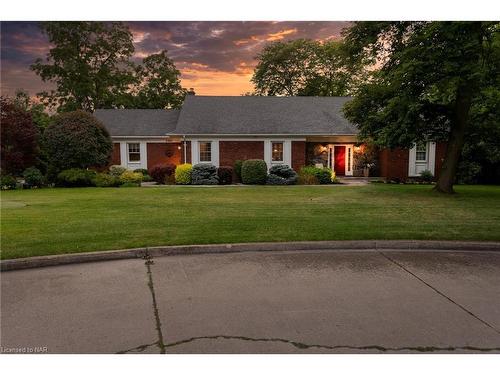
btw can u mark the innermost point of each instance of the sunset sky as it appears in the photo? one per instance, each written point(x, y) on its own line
point(215, 58)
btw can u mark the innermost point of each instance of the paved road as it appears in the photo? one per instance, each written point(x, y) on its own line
point(275, 302)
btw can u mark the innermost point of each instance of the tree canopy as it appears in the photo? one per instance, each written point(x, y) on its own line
point(91, 66)
point(159, 83)
point(428, 83)
point(304, 67)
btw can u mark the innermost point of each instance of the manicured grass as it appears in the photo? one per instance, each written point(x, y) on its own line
point(55, 221)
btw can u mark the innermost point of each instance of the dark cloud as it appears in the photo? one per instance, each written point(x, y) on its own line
point(197, 48)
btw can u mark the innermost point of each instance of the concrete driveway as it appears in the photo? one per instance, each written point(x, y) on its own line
point(275, 302)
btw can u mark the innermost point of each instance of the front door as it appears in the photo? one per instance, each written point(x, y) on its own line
point(339, 159)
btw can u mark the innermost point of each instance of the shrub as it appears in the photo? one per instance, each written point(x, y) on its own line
point(426, 176)
point(225, 175)
point(468, 172)
point(75, 177)
point(254, 172)
point(161, 173)
point(8, 182)
point(106, 180)
point(307, 179)
point(183, 174)
point(116, 170)
point(142, 171)
point(322, 175)
point(129, 177)
point(281, 175)
point(33, 177)
point(204, 174)
point(237, 168)
point(76, 140)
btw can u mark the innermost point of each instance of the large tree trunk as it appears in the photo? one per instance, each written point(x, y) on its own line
point(456, 140)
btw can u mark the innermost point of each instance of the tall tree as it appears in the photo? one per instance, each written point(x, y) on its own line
point(40, 118)
point(285, 67)
point(305, 67)
point(159, 83)
point(88, 63)
point(19, 138)
point(428, 78)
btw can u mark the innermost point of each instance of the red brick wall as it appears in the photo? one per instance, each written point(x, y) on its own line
point(115, 157)
point(230, 151)
point(394, 163)
point(164, 153)
point(298, 155)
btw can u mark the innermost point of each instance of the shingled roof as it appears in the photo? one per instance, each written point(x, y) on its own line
point(138, 122)
point(263, 115)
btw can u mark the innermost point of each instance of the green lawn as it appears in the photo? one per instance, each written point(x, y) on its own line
point(54, 221)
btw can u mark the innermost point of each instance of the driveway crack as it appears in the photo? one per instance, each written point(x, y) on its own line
point(304, 346)
point(148, 264)
point(439, 292)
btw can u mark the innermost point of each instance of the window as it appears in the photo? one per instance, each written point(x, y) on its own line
point(205, 151)
point(421, 154)
point(134, 152)
point(277, 151)
point(348, 159)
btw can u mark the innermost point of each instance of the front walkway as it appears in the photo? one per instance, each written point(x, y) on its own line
point(372, 301)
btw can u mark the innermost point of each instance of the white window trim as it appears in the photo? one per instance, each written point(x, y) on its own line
point(143, 148)
point(429, 163)
point(287, 152)
point(195, 152)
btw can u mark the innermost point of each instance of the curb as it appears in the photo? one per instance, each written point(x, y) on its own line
point(147, 252)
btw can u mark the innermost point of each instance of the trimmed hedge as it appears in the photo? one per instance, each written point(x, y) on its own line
point(106, 180)
point(75, 177)
point(76, 140)
point(129, 177)
point(237, 168)
point(254, 172)
point(281, 175)
point(323, 175)
point(116, 170)
point(204, 174)
point(33, 177)
point(183, 174)
point(162, 173)
point(8, 182)
point(225, 174)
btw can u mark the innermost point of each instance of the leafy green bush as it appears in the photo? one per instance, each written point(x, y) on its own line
point(33, 177)
point(129, 177)
point(142, 171)
point(468, 172)
point(7, 182)
point(116, 170)
point(281, 175)
point(307, 179)
point(75, 177)
point(323, 175)
point(106, 180)
point(204, 174)
point(254, 172)
point(162, 173)
point(225, 175)
point(237, 168)
point(426, 176)
point(183, 174)
point(76, 140)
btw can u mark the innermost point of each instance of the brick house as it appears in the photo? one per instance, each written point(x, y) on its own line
point(296, 131)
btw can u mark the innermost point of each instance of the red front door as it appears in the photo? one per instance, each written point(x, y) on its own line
point(339, 157)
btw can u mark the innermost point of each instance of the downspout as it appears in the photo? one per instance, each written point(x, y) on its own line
point(185, 152)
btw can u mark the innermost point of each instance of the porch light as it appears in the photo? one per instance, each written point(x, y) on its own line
point(179, 147)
